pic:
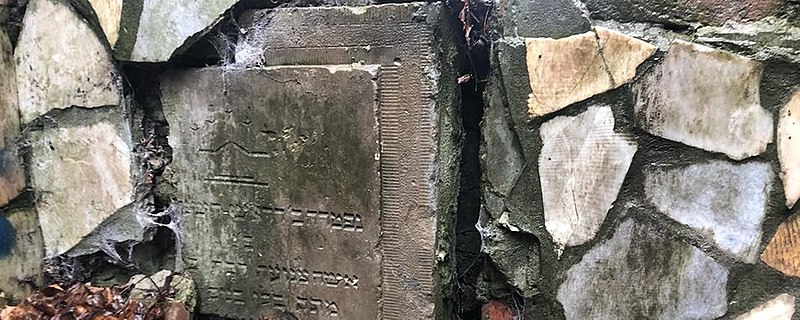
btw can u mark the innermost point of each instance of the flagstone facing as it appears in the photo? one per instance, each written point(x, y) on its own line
point(789, 149)
point(724, 202)
point(581, 167)
point(564, 71)
point(705, 98)
point(783, 251)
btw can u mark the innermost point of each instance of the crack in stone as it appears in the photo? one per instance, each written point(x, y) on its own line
point(600, 52)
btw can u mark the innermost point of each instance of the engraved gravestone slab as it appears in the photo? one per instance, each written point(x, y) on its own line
point(383, 227)
point(279, 185)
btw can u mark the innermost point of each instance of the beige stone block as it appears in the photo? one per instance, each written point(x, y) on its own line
point(789, 149)
point(568, 70)
point(109, 13)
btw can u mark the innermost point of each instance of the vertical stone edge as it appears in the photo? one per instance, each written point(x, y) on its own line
point(449, 136)
point(128, 28)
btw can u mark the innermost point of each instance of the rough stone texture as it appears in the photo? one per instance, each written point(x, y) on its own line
point(683, 12)
point(782, 253)
point(81, 173)
point(655, 34)
point(143, 287)
point(12, 177)
point(780, 308)
point(503, 159)
point(540, 19)
point(677, 101)
point(515, 254)
point(568, 70)
point(21, 253)
point(109, 13)
point(789, 149)
point(581, 168)
point(61, 63)
point(641, 274)
point(762, 40)
point(724, 202)
point(163, 27)
point(418, 158)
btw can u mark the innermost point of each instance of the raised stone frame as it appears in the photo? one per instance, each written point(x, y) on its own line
point(399, 41)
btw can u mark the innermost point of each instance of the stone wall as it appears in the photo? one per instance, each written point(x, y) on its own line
point(514, 159)
point(641, 153)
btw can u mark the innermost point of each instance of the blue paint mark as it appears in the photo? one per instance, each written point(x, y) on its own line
point(6, 237)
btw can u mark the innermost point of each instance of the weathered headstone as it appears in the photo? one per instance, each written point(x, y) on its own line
point(311, 190)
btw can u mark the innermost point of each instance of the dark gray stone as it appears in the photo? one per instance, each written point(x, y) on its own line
point(683, 13)
point(540, 18)
point(516, 254)
point(279, 186)
point(319, 190)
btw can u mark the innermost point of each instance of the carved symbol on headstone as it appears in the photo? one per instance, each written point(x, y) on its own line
point(233, 149)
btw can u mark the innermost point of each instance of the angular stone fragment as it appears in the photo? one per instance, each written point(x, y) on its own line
point(789, 149)
point(724, 202)
point(109, 13)
point(502, 154)
point(326, 182)
point(164, 26)
point(564, 71)
point(783, 252)
point(81, 173)
point(581, 168)
point(642, 274)
point(21, 253)
point(705, 98)
point(12, 177)
point(61, 62)
point(780, 308)
point(515, 254)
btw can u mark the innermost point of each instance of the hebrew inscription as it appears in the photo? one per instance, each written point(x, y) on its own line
point(280, 189)
point(309, 188)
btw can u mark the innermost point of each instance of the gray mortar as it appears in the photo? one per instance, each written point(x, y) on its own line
point(748, 285)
